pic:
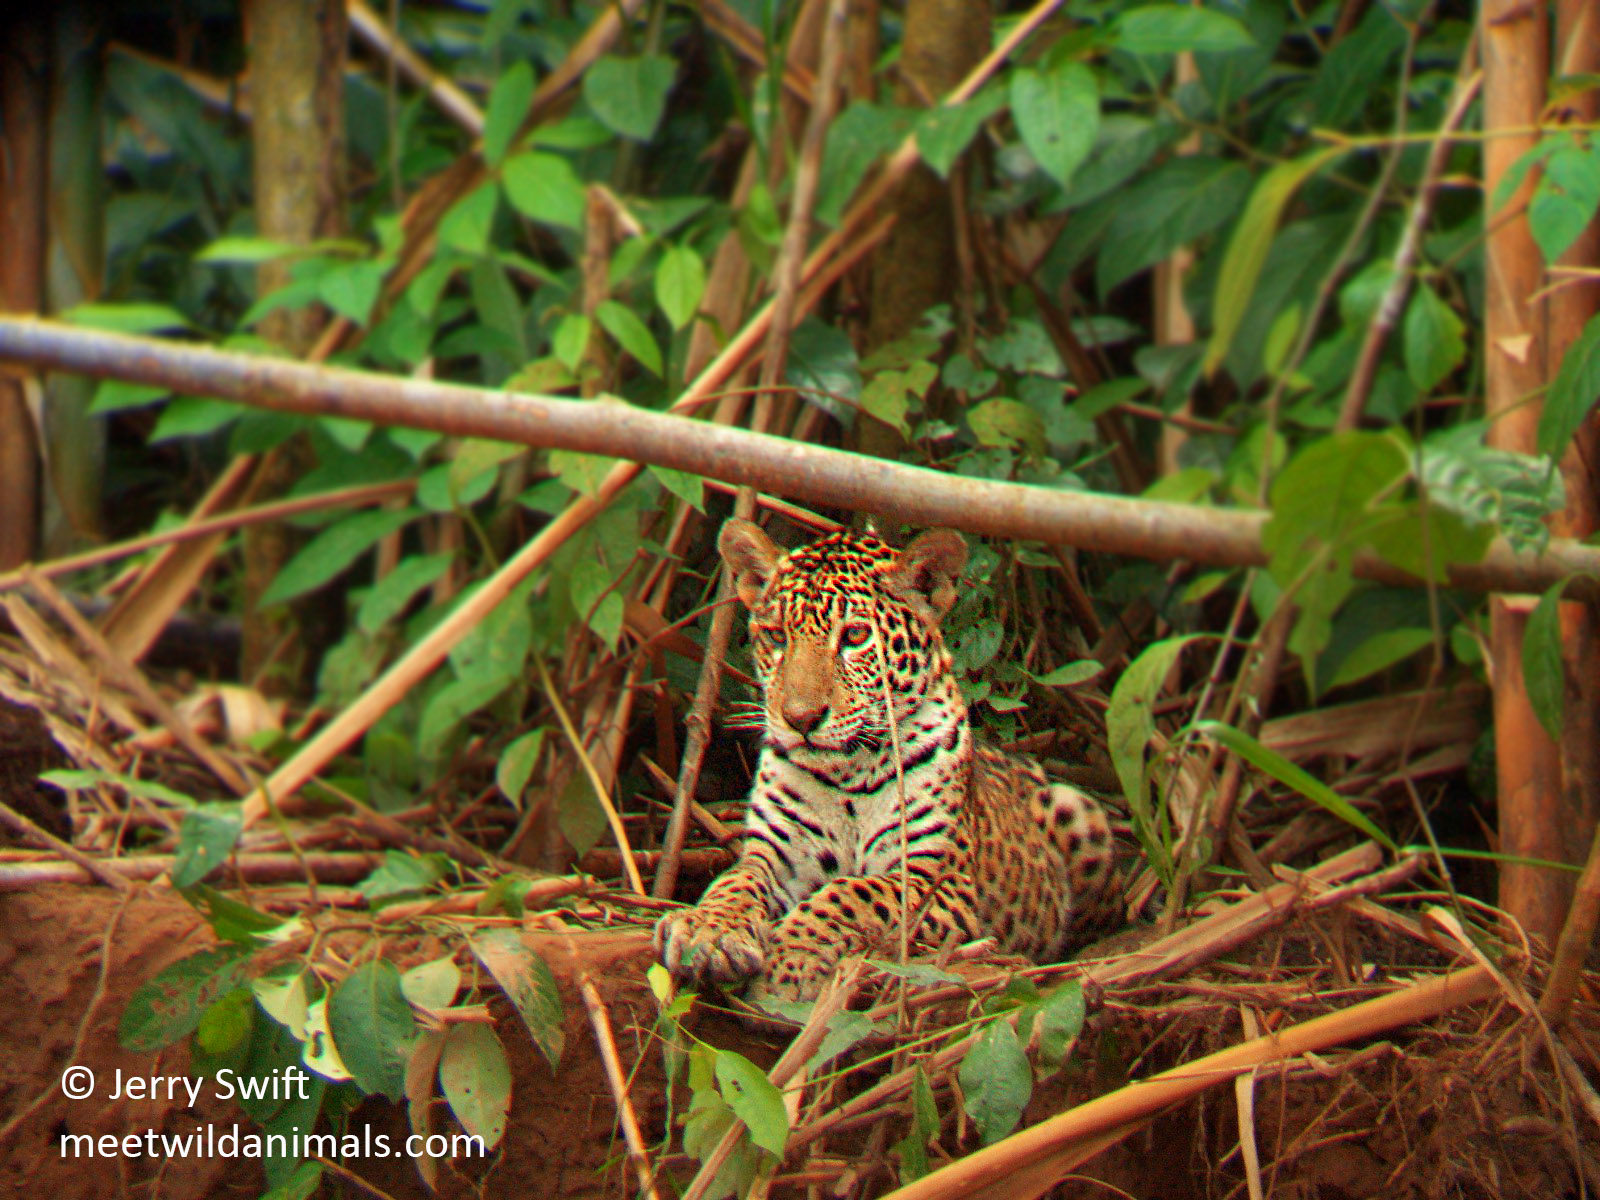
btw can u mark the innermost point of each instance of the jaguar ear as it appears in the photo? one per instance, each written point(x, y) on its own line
point(927, 569)
point(750, 556)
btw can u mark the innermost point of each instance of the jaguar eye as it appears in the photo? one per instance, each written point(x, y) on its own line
point(774, 635)
point(856, 634)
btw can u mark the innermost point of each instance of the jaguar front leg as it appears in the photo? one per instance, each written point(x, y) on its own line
point(852, 916)
point(722, 939)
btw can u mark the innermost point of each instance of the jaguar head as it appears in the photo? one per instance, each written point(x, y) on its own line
point(841, 628)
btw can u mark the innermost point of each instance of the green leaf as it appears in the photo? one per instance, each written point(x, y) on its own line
point(680, 283)
point(1435, 343)
point(1542, 671)
point(170, 1006)
point(389, 596)
point(1572, 393)
point(225, 1026)
point(917, 974)
point(331, 551)
point(1248, 247)
point(454, 703)
point(1130, 724)
point(1379, 652)
point(508, 105)
point(404, 873)
point(194, 416)
point(691, 489)
point(913, 1148)
point(247, 250)
point(1102, 398)
point(845, 1029)
point(1178, 202)
point(372, 1028)
point(632, 334)
point(544, 188)
point(528, 984)
point(747, 1090)
point(629, 94)
point(857, 138)
point(119, 395)
point(232, 921)
point(351, 290)
point(1060, 1020)
point(144, 789)
point(1566, 199)
point(1286, 773)
point(476, 1080)
point(1070, 674)
point(468, 224)
point(1058, 115)
point(205, 839)
point(996, 1081)
point(1007, 423)
point(1173, 28)
point(945, 130)
point(126, 318)
point(516, 765)
point(571, 340)
point(432, 984)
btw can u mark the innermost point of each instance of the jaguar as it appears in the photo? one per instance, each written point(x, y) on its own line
point(873, 804)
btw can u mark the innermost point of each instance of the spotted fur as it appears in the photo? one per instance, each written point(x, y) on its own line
point(991, 846)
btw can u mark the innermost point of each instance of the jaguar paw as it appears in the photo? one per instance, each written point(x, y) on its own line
point(705, 948)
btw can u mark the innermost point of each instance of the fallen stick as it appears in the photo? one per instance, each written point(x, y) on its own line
point(256, 868)
point(1029, 1162)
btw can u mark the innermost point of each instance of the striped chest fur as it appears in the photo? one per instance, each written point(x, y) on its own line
point(868, 761)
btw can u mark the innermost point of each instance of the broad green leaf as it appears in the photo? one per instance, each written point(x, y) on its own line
point(857, 139)
point(205, 839)
point(581, 472)
point(516, 765)
point(1358, 67)
point(508, 105)
point(351, 290)
point(1542, 671)
point(1130, 724)
point(528, 984)
point(945, 130)
point(571, 340)
point(1434, 339)
point(917, 974)
point(544, 188)
point(403, 873)
point(391, 594)
point(194, 416)
point(1286, 773)
point(1566, 199)
point(680, 282)
point(629, 94)
point(119, 395)
point(372, 1026)
point(432, 984)
point(454, 703)
point(691, 489)
point(1174, 28)
point(1572, 393)
point(845, 1029)
point(913, 1148)
point(1322, 513)
point(1007, 423)
point(1379, 652)
point(1248, 247)
point(126, 318)
point(476, 1080)
point(468, 224)
point(1179, 201)
point(996, 1081)
point(1058, 115)
point(1102, 398)
point(1518, 171)
point(1060, 1020)
point(332, 550)
point(235, 922)
point(1070, 674)
point(632, 334)
point(824, 369)
point(1509, 492)
point(747, 1090)
point(247, 250)
point(170, 1005)
point(225, 1026)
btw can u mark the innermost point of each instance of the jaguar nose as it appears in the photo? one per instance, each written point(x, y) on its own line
point(803, 719)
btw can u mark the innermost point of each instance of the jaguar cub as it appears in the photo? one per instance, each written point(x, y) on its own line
point(840, 627)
